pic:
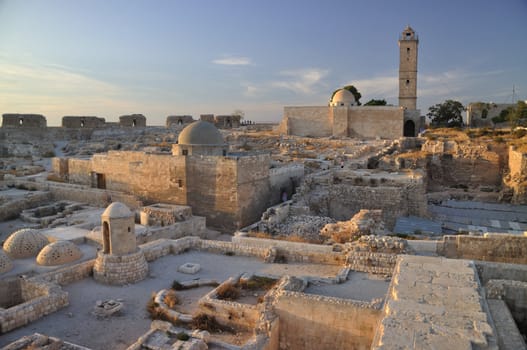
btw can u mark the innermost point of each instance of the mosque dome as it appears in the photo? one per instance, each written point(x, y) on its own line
point(5, 262)
point(342, 97)
point(117, 210)
point(200, 133)
point(24, 243)
point(58, 253)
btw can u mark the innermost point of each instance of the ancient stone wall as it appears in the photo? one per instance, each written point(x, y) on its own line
point(319, 322)
point(194, 226)
point(132, 121)
point(311, 121)
point(284, 178)
point(83, 122)
point(14, 120)
point(40, 299)
point(10, 292)
point(175, 120)
point(342, 194)
point(451, 163)
point(498, 248)
point(140, 174)
point(11, 209)
point(375, 121)
point(253, 188)
point(229, 313)
point(518, 175)
point(211, 184)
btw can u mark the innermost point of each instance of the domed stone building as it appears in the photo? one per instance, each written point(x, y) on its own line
point(119, 261)
point(200, 138)
point(230, 189)
point(344, 118)
point(342, 97)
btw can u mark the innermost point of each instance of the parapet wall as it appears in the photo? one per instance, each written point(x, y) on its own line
point(498, 248)
point(313, 322)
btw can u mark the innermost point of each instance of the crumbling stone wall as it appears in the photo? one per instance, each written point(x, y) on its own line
point(517, 179)
point(342, 194)
point(451, 163)
point(14, 120)
point(175, 120)
point(83, 122)
point(498, 248)
point(132, 121)
point(40, 299)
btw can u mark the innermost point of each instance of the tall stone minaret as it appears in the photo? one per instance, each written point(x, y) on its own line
point(408, 69)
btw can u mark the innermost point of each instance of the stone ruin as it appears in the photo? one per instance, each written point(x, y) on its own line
point(365, 222)
point(120, 261)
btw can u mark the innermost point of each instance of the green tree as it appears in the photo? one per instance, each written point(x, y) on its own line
point(446, 114)
point(518, 114)
point(353, 90)
point(374, 102)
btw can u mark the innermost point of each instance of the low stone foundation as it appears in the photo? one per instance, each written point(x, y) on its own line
point(112, 269)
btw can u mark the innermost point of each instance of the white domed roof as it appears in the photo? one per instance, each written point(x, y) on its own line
point(58, 253)
point(24, 243)
point(5, 262)
point(117, 210)
point(343, 97)
point(200, 133)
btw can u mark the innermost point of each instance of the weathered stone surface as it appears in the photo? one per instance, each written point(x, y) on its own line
point(24, 243)
point(59, 253)
point(436, 303)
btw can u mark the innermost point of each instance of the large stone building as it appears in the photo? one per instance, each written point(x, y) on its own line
point(343, 118)
point(230, 189)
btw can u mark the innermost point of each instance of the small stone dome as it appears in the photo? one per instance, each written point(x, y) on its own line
point(5, 262)
point(200, 133)
point(58, 253)
point(343, 97)
point(117, 210)
point(24, 243)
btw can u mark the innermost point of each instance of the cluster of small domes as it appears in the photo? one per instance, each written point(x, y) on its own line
point(27, 243)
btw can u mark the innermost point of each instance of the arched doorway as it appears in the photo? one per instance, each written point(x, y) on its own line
point(105, 238)
point(409, 128)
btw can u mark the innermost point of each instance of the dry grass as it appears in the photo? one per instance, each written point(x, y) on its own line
point(171, 299)
point(208, 323)
point(228, 291)
point(258, 283)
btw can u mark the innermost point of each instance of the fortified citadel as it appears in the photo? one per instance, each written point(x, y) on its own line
point(343, 227)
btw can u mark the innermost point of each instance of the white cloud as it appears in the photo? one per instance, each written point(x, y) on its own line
point(303, 81)
point(233, 61)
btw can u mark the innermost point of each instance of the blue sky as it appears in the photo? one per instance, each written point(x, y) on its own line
point(159, 58)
